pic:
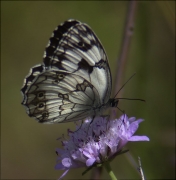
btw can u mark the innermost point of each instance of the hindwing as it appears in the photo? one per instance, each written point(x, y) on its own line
point(59, 96)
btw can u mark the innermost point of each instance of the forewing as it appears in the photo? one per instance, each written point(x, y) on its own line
point(54, 96)
point(75, 48)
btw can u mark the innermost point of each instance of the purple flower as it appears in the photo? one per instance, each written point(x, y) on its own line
point(97, 142)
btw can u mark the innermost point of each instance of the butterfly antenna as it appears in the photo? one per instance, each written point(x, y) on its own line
point(133, 99)
point(124, 84)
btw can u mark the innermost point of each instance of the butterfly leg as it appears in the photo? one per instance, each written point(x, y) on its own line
point(108, 118)
point(79, 126)
point(92, 120)
point(82, 124)
point(122, 111)
point(90, 124)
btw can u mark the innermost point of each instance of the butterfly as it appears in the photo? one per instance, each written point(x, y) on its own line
point(74, 81)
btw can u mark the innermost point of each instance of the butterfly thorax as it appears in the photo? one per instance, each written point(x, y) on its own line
point(113, 102)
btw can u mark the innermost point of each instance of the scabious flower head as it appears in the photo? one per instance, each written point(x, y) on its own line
point(96, 142)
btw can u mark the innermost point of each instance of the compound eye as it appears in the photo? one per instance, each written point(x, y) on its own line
point(114, 102)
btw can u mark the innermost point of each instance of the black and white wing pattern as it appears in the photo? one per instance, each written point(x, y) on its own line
point(74, 81)
point(75, 48)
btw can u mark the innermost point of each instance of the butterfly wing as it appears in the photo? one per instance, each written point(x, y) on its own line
point(74, 53)
point(55, 96)
point(75, 48)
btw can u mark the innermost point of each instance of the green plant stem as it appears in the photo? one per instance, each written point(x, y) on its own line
point(109, 170)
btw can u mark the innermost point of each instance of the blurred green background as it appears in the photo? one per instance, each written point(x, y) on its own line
point(27, 147)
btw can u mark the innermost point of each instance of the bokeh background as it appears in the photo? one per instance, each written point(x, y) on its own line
point(27, 147)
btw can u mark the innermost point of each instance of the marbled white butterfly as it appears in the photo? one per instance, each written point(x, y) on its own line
point(74, 80)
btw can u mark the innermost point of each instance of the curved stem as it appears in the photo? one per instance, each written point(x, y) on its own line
point(109, 170)
point(124, 51)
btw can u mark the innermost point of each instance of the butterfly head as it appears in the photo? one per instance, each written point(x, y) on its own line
point(113, 102)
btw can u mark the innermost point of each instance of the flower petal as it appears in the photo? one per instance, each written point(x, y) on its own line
point(139, 138)
point(67, 162)
point(90, 162)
